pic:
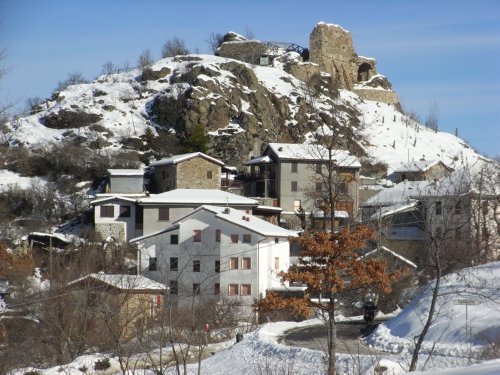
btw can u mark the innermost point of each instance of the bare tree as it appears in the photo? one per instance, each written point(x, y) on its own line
point(173, 47)
point(108, 67)
point(73, 79)
point(145, 59)
point(213, 41)
point(461, 229)
point(432, 120)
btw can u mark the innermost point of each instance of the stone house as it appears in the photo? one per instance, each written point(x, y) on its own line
point(292, 176)
point(124, 218)
point(133, 299)
point(421, 170)
point(187, 171)
point(216, 252)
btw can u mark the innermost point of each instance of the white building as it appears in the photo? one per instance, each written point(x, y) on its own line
point(125, 216)
point(216, 252)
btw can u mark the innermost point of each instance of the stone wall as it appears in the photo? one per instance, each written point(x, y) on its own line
point(192, 174)
point(304, 71)
point(115, 230)
point(384, 96)
point(248, 51)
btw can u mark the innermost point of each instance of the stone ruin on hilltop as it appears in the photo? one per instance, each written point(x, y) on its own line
point(330, 51)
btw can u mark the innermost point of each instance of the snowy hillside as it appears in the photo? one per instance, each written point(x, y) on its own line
point(122, 108)
point(478, 286)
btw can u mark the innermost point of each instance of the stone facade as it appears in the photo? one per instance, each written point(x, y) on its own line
point(248, 51)
point(197, 172)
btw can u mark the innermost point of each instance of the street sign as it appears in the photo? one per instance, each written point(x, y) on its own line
point(466, 301)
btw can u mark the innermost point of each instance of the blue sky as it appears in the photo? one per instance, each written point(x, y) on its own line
point(446, 51)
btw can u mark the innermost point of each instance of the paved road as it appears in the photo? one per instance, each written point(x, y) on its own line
point(348, 334)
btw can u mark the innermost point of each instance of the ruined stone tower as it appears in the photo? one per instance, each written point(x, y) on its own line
point(331, 47)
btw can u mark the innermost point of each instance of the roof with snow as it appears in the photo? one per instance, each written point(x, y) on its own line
point(411, 205)
point(198, 197)
point(390, 252)
point(338, 214)
point(417, 166)
point(123, 282)
point(125, 172)
point(260, 160)
point(403, 192)
point(183, 157)
point(233, 216)
point(482, 178)
point(114, 198)
point(311, 152)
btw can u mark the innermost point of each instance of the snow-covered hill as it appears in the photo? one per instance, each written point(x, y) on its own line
point(253, 104)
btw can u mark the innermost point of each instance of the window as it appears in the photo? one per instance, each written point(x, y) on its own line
point(196, 266)
point(246, 263)
point(234, 238)
point(318, 168)
point(247, 238)
point(217, 266)
point(163, 175)
point(294, 186)
point(276, 240)
point(174, 263)
point(174, 239)
point(174, 287)
point(152, 264)
point(458, 208)
point(233, 263)
point(246, 289)
point(163, 214)
point(276, 263)
point(294, 166)
point(209, 175)
point(196, 289)
point(124, 211)
point(319, 187)
point(217, 235)
point(439, 208)
point(233, 289)
point(216, 289)
point(107, 211)
point(197, 235)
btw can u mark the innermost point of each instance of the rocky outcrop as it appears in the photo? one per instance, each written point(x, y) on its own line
point(261, 115)
point(235, 46)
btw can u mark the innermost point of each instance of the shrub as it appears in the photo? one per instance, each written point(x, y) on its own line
point(173, 47)
point(66, 119)
point(102, 364)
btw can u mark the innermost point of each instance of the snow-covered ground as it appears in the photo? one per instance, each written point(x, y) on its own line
point(455, 353)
